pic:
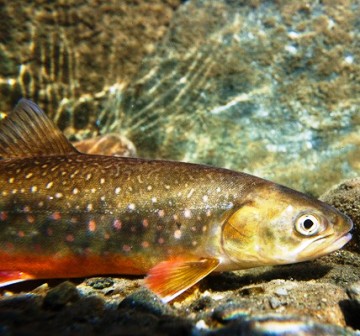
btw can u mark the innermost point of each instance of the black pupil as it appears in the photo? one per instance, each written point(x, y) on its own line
point(308, 223)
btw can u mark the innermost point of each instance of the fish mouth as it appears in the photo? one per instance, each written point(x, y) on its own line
point(337, 244)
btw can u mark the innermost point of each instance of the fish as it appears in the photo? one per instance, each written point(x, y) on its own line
point(66, 214)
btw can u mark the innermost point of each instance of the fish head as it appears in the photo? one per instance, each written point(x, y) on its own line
point(275, 225)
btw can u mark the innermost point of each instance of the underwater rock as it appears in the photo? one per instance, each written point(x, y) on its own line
point(260, 86)
point(70, 56)
point(277, 325)
point(109, 144)
point(61, 295)
point(145, 301)
point(346, 197)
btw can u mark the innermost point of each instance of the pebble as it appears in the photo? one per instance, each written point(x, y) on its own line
point(145, 301)
point(61, 295)
point(354, 291)
point(274, 302)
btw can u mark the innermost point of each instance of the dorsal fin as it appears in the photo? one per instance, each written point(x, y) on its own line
point(28, 132)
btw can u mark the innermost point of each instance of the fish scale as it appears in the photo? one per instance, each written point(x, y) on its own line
point(68, 214)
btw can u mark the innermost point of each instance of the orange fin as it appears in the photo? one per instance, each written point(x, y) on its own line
point(170, 278)
point(11, 277)
point(28, 132)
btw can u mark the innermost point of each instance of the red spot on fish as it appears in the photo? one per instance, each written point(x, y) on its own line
point(30, 219)
point(106, 236)
point(56, 215)
point(145, 223)
point(21, 234)
point(145, 244)
point(117, 225)
point(92, 225)
point(70, 238)
point(126, 248)
point(3, 215)
point(161, 240)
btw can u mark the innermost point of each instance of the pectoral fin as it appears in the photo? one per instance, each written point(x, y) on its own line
point(11, 277)
point(169, 279)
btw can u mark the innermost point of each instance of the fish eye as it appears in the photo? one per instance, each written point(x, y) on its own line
point(307, 225)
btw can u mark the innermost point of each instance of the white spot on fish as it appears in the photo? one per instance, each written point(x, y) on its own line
point(26, 208)
point(93, 190)
point(88, 177)
point(229, 205)
point(187, 213)
point(149, 187)
point(218, 189)
point(117, 190)
point(102, 198)
point(161, 213)
point(49, 185)
point(89, 207)
point(75, 191)
point(167, 187)
point(131, 206)
point(177, 234)
point(117, 225)
point(102, 181)
point(59, 195)
point(29, 175)
point(190, 193)
point(205, 198)
point(11, 180)
point(154, 199)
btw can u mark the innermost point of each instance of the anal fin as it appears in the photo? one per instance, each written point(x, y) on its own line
point(170, 278)
point(11, 277)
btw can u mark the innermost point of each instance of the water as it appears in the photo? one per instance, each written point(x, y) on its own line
point(262, 87)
